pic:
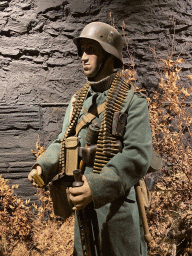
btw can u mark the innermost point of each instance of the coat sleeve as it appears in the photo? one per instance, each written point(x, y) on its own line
point(49, 161)
point(125, 169)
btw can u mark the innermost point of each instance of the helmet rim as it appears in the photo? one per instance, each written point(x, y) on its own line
point(114, 47)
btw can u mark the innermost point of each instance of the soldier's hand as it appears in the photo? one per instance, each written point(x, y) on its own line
point(81, 196)
point(36, 170)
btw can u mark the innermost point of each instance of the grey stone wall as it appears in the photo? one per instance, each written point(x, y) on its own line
point(40, 70)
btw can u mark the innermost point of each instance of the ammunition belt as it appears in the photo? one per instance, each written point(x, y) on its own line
point(106, 144)
point(70, 131)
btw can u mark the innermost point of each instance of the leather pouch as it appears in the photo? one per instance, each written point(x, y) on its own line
point(61, 202)
point(71, 145)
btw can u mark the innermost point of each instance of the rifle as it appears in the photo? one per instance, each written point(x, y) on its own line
point(87, 217)
point(88, 224)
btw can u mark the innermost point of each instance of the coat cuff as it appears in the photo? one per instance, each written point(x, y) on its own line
point(105, 187)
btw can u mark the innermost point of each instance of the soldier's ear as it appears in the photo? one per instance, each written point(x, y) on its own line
point(111, 59)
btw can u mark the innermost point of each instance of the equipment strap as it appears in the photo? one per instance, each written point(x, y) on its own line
point(89, 117)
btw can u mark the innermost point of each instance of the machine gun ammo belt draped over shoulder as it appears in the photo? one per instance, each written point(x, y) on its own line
point(106, 141)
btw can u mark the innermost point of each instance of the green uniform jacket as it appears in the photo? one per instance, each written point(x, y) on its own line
point(113, 189)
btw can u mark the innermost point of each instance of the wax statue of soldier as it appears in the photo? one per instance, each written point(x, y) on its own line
point(109, 181)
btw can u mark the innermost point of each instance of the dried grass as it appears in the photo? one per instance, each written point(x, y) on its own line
point(33, 230)
point(170, 215)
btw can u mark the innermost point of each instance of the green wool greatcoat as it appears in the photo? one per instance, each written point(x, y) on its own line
point(113, 190)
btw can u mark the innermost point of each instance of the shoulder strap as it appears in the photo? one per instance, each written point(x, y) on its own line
point(89, 117)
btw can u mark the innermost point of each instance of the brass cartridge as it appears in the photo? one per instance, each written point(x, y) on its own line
point(106, 153)
point(101, 161)
point(112, 99)
point(105, 141)
point(97, 168)
point(99, 165)
point(37, 179)
point(106, 126)
point(105, 129)
point(110, 149)
point(101, 153)
point(107, 145)
point(96, 171)
point(107, 117)
point(122, 92)
point(109, 108)
point(119, 102)
point(113, 94)
point(114, 106)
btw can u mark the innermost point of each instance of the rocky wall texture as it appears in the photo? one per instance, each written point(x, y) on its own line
point(40, 70)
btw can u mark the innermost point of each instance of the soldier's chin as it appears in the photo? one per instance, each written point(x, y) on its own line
point(88, 74)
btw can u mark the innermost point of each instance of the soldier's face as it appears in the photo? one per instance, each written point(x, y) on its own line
point(92, 56)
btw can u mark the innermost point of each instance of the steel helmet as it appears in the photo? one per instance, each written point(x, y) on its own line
point(107, 36)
